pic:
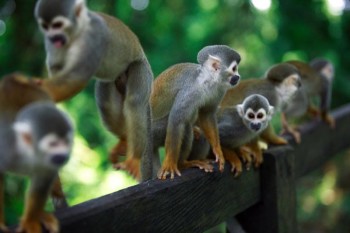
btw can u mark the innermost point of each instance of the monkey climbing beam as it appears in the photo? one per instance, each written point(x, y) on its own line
point(261, 200)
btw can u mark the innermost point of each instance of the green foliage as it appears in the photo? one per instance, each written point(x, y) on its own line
point(172, 32)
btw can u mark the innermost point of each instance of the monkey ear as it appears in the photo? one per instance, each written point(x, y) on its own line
point(213, 63)
point(24, 131)
point(79, 5)
point(240, 110)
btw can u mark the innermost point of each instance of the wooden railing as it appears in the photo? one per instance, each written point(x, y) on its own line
point(262, 200)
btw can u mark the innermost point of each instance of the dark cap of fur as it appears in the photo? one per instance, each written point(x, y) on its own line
point(319, 63)
point(225, 53)
point(255, 102)
point(45, 119)
point(279, 72)
point(49, 9)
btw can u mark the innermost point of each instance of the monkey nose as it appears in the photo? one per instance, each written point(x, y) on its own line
point(59, 159)
point(255, 126)
point(234, 80)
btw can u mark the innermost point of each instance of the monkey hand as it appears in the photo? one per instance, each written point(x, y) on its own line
point(131, 165)
point(329, 120)
point(233, 159)
point(118, 150)
point(201, 164)
point(313, 111)
point(168, 168)
point(32, 225)
point(219, 158)
point(3, 228)
point(247, 155)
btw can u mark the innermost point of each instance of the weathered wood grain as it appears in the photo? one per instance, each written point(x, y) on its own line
point(191, 203)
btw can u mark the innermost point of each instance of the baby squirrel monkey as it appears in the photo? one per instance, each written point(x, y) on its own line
point(280, 83)
point(81, 44)
point(36, 141)
point(186, 94)
point(239, 126)
point(316, 79)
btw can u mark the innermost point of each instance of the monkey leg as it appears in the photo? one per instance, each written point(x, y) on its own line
point(201, 164)
point(3, 227)
point(269, 136)
point(288, 129)
point(34, 207)
point(136, 113)
point(208, 124)
point(57, 195)
point(232, 157)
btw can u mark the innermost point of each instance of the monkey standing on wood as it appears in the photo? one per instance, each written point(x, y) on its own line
point(279, 84)
point(316, 80)
point(80, 44)
point(35, 140)
point(239, 126)
point(186, 94)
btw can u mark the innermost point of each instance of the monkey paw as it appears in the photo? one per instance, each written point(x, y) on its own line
point(233, 159)
point(329, 120)
point(3, 228)
point(168, 169)
point(247, 155)
point(131, 165)
point(219, 158)
point(33, 226)
point(277, 141)
point(201, 164)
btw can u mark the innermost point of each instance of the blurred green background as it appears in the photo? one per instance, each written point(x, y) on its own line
point(264, 32)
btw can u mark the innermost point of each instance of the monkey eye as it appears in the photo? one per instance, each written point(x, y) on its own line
point(53, 143)
point(260, 116)
point(234, 69)
point(251, 116)
point(45, 26)
point(57, 25)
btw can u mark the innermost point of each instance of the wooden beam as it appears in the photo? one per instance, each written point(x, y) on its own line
point(193, 202)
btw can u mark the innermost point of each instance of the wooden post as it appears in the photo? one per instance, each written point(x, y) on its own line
point(276, 213)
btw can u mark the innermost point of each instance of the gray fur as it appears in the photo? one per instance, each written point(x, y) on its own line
point(222, 51)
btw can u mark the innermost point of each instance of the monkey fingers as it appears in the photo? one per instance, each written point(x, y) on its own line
point(131, 165)
point(164, 172)
point(201, 164)
point(50, 222)
point(247, 155)
point(232, 157)
point(329, 120)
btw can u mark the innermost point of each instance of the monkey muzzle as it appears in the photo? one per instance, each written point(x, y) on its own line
point(59, 159)
point(234, 80)
point(255, 126)
point(58, 40)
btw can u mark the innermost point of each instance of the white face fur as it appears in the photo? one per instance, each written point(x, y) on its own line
point(51, 150)
point(252, 119)
point(328, 72)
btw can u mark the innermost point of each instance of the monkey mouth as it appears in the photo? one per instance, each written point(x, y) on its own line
point(58, 41)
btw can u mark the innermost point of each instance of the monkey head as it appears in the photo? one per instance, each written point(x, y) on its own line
point(324, 67)
point(44, 135)
point(60, 20)
point(256, 112)
point(222, 62)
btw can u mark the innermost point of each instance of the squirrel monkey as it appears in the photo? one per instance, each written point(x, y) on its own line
point(186, 94)
point(81, 44)
point(280, 83)
point(239, 129)
point(36, 141)
point(316, 79)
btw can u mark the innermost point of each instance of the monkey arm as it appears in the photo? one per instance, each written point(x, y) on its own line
point(208, 123)
point(325, 96)
point(61, 89)
point(34, 206)
point(2, 214)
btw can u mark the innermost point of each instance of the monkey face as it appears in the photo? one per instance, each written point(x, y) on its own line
point(231, 75)
point(57, 31)
point(54, 149)
point(255, 121)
